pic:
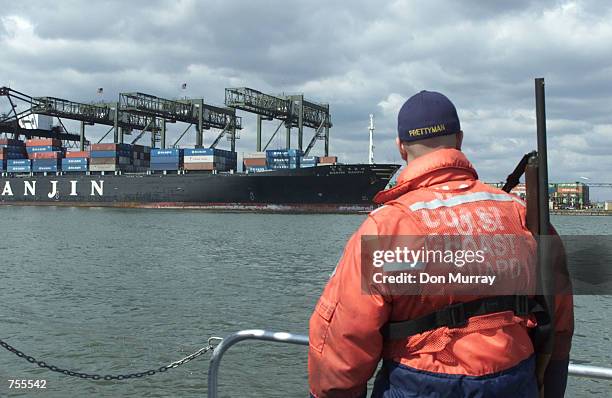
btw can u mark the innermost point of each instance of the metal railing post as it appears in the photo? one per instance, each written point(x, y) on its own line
point(255, 334)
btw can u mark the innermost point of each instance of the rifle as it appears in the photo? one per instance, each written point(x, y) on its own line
point(535, 167)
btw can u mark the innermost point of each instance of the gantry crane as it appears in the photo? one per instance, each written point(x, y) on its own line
point(292, 111)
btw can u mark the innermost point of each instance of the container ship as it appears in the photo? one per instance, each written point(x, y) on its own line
point(40, 170)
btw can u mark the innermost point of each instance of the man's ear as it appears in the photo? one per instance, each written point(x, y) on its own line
point(401, 149)
point(459, 139)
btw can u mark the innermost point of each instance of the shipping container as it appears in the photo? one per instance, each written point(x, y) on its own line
point(256, 169)
point(200, 151)
point(141, 149)
point(309, 159)
point(74, 167)
point(256, 162)
point(201, 166)
point(47, 148)
point(121, 160)
point(172, 152)
point(255, 155)
point(18, 169)
point(11, 142)
point(105, 167)
point(166, 159)
point(273, 153)
point(111, 147)
point(75, 161)
point(46, 155)
point(199, 159)
point(110, 154)
point(164, 166)
point(77, 154)
point(45, 168)
point(328, 159)
point(12, 153)
point(19, 162)
point(44, 142)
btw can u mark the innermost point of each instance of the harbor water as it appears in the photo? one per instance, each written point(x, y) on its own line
point(113, 291)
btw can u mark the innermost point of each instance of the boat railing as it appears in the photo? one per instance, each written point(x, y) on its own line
point(593, 372)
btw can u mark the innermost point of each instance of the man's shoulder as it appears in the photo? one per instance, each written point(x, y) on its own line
point(389, 215)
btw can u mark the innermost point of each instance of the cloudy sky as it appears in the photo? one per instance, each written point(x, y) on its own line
point(360, 56)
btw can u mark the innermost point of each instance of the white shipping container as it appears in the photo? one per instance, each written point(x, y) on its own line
point(103, 167)
point(608, 206)
point(255, 155)
point(199, 159)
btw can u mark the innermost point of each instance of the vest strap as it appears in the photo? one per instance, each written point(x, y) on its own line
point(457, 315)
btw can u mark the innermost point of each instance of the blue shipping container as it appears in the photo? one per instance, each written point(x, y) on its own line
point(74, 167)
point(46, 162)
point(309, 159)
point(41, 168)
point(166, 152)
point(75, 161)
point(164, 160)
point(110, 154)
point(19, 162)
point(33, 149)
point(18, 169)
point(274, 153)
point(199, 151)
point(14, 155)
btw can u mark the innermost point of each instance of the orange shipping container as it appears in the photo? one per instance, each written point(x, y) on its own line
point(328, 159)
point(44, 142)
point(77, 154)
point(46, 155)
point(199, 166)
point(254, 162)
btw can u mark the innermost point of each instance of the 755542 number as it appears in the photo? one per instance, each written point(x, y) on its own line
point(26, 384)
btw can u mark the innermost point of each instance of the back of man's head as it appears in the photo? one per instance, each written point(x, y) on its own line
point(427, 122)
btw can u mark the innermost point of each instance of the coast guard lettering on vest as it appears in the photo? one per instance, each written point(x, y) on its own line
point(52, 190)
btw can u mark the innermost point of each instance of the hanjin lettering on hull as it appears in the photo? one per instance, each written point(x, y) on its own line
point(51, 188)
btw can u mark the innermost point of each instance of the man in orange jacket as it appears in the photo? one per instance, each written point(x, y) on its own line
point(433, 345)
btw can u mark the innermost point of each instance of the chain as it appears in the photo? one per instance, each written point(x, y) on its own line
point(94, 376)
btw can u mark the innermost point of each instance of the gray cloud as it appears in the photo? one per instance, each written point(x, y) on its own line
point(362, 57)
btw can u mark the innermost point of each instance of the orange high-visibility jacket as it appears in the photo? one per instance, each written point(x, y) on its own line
point(434, 194)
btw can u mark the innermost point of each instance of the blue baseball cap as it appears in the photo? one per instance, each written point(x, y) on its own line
point(425, 115)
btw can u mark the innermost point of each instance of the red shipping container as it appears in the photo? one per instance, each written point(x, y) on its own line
point(46, 155)
point(44, 142)
point(77, 154)
point(103, 147)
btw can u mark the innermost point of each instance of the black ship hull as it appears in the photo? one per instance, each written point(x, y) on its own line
point(333, 188)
